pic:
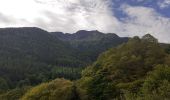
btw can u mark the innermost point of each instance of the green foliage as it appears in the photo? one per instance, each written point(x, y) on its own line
point(158, 81)
point(137, 70)
point(155, 87)
point(71, 73)
point(58, 89)
point(122, 69)
point(14, 94)
point(149, 38)
point(89, 44)
point(29, 56)
point(168, 49)
point(26, 54)
point(3, 85)
point(102, 90)
point(133, 87)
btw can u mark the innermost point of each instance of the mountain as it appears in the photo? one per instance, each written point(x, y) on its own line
point(136, 70)
point(89, 44)
point(30, 55)
point(82, 35)
point(27, 53)
point(33, 42)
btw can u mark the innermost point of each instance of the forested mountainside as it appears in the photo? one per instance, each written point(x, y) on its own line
point(89, 44)
point(30, 55)
point(136, 70)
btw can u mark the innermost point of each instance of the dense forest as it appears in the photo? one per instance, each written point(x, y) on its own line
point(135, 70)
point(30, 55)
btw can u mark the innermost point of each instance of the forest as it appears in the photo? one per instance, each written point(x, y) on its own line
point(88, 65)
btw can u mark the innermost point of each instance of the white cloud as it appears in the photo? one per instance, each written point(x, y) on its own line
point(143, 20)
point(164, 4)
point(60, 15)
point(73, 15)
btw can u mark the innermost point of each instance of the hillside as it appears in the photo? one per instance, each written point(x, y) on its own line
point(30, 55)
point(33, 42)
point(89, 44)
point(136, 70)
point(124, 70)
point(26, 54)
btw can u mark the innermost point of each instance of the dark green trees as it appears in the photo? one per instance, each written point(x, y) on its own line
point(137, 70)
point(149, 38)
point(168, 49)
point(157, 83)
point(156, 86)
point(123, 69)
point(30, 55)
point(14, 94)
point(3, 85)
point(58, 89)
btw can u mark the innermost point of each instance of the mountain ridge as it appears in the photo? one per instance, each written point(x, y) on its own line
point(37, 55)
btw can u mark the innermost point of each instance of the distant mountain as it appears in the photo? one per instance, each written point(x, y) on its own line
point(89, 44)
point(30, 55)
point(84, 35)
point(81, 35)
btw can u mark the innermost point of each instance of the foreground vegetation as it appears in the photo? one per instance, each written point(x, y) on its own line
point(137, 70)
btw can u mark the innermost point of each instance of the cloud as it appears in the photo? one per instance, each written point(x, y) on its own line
point(4, 19)
point(164, 4)
point(61, 15)
point(142, 20)
point(75, 15)
point(10, 21)
point(72, 15)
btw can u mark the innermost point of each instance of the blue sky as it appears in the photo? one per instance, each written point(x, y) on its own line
point(160, 6)
point(123, 17)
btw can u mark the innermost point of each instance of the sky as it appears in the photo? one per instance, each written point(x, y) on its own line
point(123, 17)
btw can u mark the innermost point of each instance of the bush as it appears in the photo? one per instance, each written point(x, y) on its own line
point(59, 89)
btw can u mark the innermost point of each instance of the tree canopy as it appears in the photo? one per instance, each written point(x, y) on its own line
point(124, 68)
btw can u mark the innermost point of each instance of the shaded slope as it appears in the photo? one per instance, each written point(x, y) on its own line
point(89, 44)
point(30, 55)
point(33, 42)
point(26, 54)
